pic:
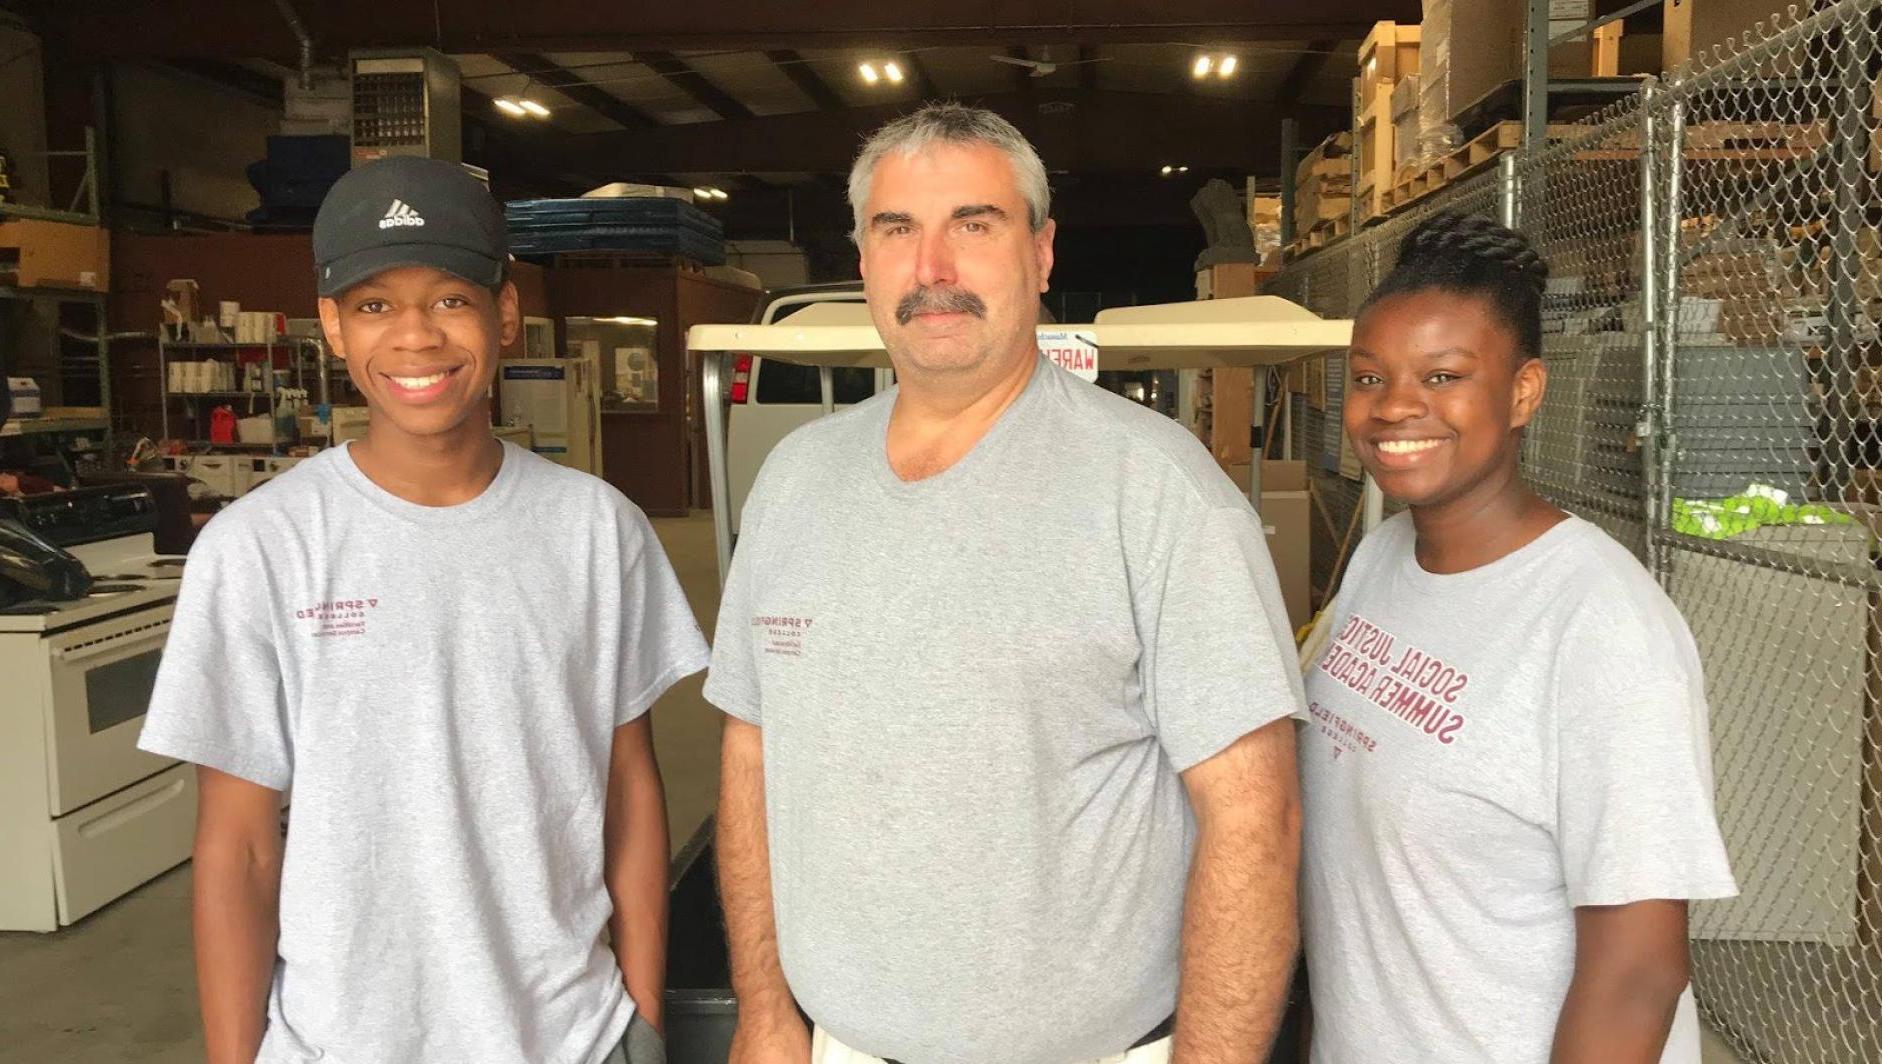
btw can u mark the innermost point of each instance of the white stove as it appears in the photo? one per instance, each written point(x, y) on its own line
point(127, 573)
point(85, 816)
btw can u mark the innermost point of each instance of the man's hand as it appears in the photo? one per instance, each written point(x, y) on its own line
point(1240, 934)
point(236, 906)
point(770, 1030)
point(1630, 969)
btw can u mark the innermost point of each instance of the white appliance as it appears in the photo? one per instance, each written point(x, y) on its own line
point(560, 399)
point(85, 816)
point(26, 397)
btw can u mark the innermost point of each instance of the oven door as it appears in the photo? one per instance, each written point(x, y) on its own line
point(101, 676)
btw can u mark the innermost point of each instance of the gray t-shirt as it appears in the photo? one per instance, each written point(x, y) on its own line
point(1484, 752)
point(977, 691)
point(439, 687)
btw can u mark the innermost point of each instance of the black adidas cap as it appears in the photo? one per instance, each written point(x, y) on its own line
point(408, 211)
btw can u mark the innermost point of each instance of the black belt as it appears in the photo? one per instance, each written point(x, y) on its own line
point(1155, 1034)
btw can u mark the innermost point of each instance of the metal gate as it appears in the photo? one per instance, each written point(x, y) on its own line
point(1715, 391)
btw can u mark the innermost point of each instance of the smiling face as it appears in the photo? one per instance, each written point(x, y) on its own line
point(1437, 396)
point(421, 345)
point(951, 267)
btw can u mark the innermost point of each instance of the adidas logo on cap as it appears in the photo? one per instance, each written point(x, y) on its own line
point(400, 213)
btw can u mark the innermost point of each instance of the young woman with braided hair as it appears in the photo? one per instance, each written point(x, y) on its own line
point(1505, 777)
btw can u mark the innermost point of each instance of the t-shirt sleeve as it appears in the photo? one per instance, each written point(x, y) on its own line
point(732, 681)
point(1221, 659)
point(1634, 809)
point(218, 700)
point(661, 640)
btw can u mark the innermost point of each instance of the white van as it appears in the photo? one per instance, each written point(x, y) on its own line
point(765, 400)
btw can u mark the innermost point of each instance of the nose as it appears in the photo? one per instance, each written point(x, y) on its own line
point(934, 260)
point(413, 330)
point(1400, 400)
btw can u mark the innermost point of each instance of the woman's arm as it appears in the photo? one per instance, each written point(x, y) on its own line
point(1630, 969)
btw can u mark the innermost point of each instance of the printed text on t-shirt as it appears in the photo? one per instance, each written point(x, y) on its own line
point(1417, 687)
point(336, 616)
point(783, 636)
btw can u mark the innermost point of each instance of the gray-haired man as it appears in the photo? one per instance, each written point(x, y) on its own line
point(1007, 770)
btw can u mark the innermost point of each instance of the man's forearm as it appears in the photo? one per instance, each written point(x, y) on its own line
point(637, 856)
point(236, 905)
point(745, 878)
point(1239, 942)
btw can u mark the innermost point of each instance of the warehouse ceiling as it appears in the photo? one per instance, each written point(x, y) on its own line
point(756, 96)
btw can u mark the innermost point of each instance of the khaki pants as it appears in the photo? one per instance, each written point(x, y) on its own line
point(827, 1050)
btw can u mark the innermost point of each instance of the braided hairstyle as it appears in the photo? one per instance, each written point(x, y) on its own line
point(1474, 256)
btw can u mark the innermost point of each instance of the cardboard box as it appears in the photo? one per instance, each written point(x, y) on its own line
point(1470, 47)
point(1286, 515)
point(1388, 53)
point(1693, 27)
point(1378, 155)
point(55, 255)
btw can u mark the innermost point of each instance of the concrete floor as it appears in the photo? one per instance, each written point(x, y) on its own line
point(119, 988)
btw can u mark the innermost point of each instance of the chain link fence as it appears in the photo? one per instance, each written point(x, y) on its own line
point(1715, 391)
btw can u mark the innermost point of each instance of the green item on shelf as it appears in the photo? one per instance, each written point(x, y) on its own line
point(1759, 506)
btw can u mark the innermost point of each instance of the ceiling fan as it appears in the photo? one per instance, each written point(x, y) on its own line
point(1037, 68)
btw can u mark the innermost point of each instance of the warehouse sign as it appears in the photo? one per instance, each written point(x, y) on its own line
point(1075, 351)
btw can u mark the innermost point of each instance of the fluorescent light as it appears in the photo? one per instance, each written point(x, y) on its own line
point(868, 71)
point(509, 106)
point(533, 107)
point(718, 193)
point(630, 321)
point(1182, 169)
point(1227, 66)
point(893, 72)
point(1166, 169)
point(702, 193)
point(1201, 68)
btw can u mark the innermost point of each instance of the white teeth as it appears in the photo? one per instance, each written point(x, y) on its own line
point(415, 383)
point(1407, 446)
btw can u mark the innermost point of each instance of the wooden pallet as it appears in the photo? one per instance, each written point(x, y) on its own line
point(1744, 142)
point(1469, 158)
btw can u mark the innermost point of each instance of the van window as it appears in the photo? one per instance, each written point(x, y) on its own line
point(787, 382)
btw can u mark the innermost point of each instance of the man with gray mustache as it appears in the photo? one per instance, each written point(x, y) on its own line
point(1007, 770)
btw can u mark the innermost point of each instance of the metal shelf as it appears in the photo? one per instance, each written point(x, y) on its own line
point(72, 295)
point(218, 395)
point(41, 426)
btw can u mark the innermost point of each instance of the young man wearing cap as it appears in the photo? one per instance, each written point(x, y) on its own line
point(445, 646)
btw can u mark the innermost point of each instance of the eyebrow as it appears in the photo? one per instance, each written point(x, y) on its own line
point(891, 218)
point(978, 210)
point(1360, 352)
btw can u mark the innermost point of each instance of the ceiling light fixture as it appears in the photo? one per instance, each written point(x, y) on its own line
point(893, 72)
point(533, 107)
point(509, 107)
point(719, 193)
point(702, 193)
point(1182, 169)
point(868, 71)
point(1168, 169)
point(1219, 65)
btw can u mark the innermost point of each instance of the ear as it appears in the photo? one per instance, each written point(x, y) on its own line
point(330, 324)
point(509, 315)
point(1532, 380)
point(1042, 250)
